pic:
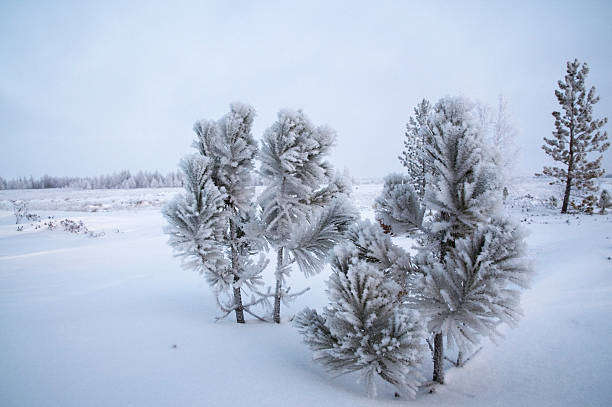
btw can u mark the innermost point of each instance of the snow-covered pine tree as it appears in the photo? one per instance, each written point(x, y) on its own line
point(303, 206)
point(472, 290)
point(231, 147)
point(576, 135)
point(499, 133)
point(462, 189)
point(367, 327)
point(399, 205)
point(414, 156)
point(472, 260)
point(196, 218)
point(463, 194)
point(228, 148)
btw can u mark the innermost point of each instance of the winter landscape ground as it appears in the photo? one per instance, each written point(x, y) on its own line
point(114, 321)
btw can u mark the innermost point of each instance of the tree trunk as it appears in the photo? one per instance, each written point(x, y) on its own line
point(422, 194)
point(279, 281)
point(570, 166)
point(438, 359)
point(438, 353)
point(566, 195)
point(238, 302)
point(239, 309)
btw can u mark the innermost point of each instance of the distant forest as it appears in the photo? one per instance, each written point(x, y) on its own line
point(120, 180)
point(126, 180)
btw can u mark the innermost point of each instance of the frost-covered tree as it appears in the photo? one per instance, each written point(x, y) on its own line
point(20, 209)
point(476, 286)
point(472, 260)
point(605, 201)
point(195, 220)
point(577, 134)
point(122, 179)
point(464, 196)
point(499, 134)
point(414, 156)
point(228, 150)
point(367, 328)
point(462, 190)
point(399, 205)
point(303, 209)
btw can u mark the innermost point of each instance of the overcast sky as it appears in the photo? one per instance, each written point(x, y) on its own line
point(89, 88)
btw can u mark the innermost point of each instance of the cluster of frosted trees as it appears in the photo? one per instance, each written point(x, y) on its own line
point(387, 306)
point(220, 228)
point(119, 180)
point(577, 143)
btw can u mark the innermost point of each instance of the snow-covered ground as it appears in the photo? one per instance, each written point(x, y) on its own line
point(87, 200)
point(115, 321)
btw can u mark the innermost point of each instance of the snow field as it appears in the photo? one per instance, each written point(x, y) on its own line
point(115, 320)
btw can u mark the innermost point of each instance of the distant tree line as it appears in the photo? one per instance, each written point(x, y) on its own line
point(119, 180)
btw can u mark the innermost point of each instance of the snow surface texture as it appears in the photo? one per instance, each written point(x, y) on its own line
point(114, 320)
point(88, 200)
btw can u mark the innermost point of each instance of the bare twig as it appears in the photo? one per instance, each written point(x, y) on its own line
point(450, 360)
point(430, 345)
point(229, 309)
point(471, 356)
point(219, 318)
point(290, 297)
point(256, 316)
point(460, 362)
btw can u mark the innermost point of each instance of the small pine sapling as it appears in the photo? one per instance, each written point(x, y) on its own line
point(367, 328)
point(20, 209)
point(471, 263)
point(232, 148)
point(477, 286)
point(224, 164)
point(464, 196)
point(605, 202)
point(586, 205)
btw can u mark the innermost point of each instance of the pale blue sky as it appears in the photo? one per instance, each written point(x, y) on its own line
point(89, 88)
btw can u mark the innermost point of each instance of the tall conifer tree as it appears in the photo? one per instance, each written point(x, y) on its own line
point(576, 135)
